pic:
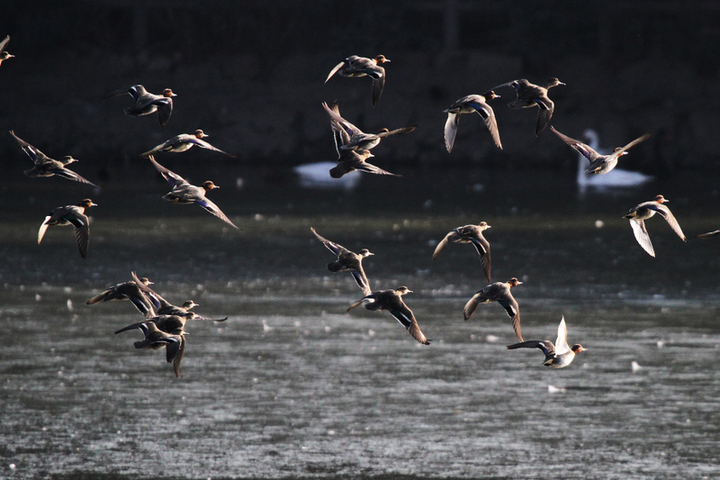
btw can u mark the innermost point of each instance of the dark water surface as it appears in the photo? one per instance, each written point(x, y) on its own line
point(291, 386)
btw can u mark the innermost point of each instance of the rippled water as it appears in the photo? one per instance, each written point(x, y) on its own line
point(291, 386)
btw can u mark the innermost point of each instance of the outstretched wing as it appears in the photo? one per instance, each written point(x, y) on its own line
point(173, 178)
point(641, 235)
point(208, 205)
point(482, 246)
point(441, 246)
point(334, 70)
point(405, 317)
point(561, 345)
point(669, 217)
point(578, 146)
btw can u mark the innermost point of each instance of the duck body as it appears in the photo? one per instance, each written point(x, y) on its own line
point(391, 300)
point(498, 292)
point(46, 166)
point(471, 104)
point(184, 142)
point(469, 234)
point(185, 193)
point(156, 339)
point(354, 157)
point(347, 261)
point(558, 355)
point(599, 163)
point(352, 138)
point(355, 66)
point(643, 211)
point(147, 103)
point(71, 215)
point(530, 95)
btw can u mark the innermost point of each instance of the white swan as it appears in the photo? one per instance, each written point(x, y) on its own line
point(616, 178)
point(316, 175)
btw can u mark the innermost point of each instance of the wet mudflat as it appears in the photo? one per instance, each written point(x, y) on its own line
point(292, 386)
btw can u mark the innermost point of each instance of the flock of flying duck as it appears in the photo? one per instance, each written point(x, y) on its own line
point(164, 323)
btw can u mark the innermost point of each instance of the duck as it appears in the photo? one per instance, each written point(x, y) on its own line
point(391, 300)
point(147, 103)
point(355, 66)
point(48, 167)
point(163, 307)
point(183, 143)
point(127, 291)
point(156, 339)
point(599, 164)
point(532, 95)
point(347, 261)
point(469, 234)
point(559, 355)
point(641, 212)
point(185, 193)
point(71, 215)
point(352, 159)
point(351, 137)
point(471, 104)
point(616, 178)
point(498, 292)
point(4, 54)
point(356, 160)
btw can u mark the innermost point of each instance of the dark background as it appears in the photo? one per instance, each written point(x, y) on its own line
point(251, 75)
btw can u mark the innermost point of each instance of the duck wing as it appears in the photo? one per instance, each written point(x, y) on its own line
point(472, 305)
point(207, 146)
point(547, 107)
point(633, 143)
point(173, 178)
point(641, 235)
point(35, 154)
point(378, 84)
point(488, 116)
point(132, 326)
point(580, 147)
point(482, 246)
point(397, 131)
point(367, 298)
point(82, 231)
point(546, 346)
point(361, 280)
point(164, 110)
point(670, 218)
point(406, 318)
point(335, 248)
point(175, 350)
point(209, 206)
point(339, 124)
point(714, 233)
point(443, 243)
point(70, 175)
point(366, 167)
point(511, 307)
point(334, 70)
point(4, 42)
point(561, 344)
point(450, 132)
point(43, 228)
